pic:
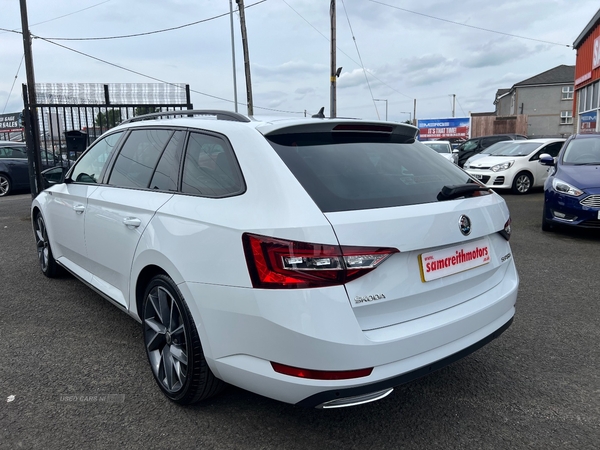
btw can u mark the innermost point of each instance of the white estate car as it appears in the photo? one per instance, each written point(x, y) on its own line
point(444, 148)
point(319, 262)
point(515, 165)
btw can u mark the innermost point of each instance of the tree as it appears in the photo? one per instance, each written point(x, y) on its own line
point(140, 110)
point(108, 119)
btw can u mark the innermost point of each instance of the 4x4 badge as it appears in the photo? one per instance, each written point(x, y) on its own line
point(464, 223)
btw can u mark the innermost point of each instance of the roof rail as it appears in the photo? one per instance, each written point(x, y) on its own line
point(219, 114)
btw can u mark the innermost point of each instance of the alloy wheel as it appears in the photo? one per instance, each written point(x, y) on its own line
point(523, 184)
point(4, 185)
point(166, 340)
point(41, 243)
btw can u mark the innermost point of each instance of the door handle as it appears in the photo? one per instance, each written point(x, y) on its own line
point(79, 208)
point(132, 222)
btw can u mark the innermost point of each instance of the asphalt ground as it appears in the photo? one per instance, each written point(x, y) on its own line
point(73, 372)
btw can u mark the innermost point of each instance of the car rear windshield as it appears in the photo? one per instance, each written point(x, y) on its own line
point(352, 171)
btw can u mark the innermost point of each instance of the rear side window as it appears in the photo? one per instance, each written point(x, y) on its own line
point(361, 171)
point(135, 164)
point(210, 168)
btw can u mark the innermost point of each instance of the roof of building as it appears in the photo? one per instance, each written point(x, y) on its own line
point(562, 74)
point(587, 30)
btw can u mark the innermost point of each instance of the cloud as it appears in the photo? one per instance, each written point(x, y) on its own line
point(496, 52)
point(295, 68)
point(428, 69)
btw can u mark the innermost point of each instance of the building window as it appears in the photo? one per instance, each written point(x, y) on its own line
point(566, 117)
point(567, 93)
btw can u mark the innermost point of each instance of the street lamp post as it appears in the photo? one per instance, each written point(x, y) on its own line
point(386, 105)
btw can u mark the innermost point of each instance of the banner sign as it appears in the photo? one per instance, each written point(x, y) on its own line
point(451, 128)
point(10, 122)
point(587, 122)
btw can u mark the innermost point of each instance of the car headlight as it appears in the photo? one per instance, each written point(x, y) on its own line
point(565, 188)
point(467, 165)
point(504, 166)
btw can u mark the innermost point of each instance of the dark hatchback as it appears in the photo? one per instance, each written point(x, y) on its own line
point(14, 168)
point(572, 189)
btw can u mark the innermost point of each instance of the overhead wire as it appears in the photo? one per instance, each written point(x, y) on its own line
point(13, 83)
point(60, 17)
point(343, 52)
point(157, 79)
point(470, 26)
point(360, 58)
point(150, 32)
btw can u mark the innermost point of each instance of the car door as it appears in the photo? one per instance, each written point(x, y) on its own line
point(14, 160)
point(67, 203)
point(119, 211)
point(540, 173)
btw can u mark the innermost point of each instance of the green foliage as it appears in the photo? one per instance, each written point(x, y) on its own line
point(108, 119)
point(141, 110)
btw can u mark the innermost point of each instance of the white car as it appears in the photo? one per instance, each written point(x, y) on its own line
point(316, 262)
point(497, 147)
point(444, 148)
point(515, 165)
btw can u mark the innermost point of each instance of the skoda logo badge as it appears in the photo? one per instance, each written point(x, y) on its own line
point(464, 223)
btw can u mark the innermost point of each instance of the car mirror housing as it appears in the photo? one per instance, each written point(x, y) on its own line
point(54, 175)
point(546, 160)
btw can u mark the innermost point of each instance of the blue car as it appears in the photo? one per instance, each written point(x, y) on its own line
point(572, 189)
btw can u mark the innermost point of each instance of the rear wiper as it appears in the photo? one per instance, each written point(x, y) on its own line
point(459, 190)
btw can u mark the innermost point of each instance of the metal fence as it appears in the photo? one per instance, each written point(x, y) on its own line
point(57, 133)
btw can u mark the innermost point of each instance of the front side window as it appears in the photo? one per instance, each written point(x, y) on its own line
point(210, 168)
point(137, 160)
point(361, 171)
point(89, 167)
point(566, 117)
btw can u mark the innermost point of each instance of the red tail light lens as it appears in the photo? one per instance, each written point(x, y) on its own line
point(282, 264)
point(507, 229)
point(321, 374)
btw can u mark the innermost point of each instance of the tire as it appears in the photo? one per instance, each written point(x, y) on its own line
point(522, 183)
point(48, 264)
point(173, 346)
point(5, 185)
point(546, 225)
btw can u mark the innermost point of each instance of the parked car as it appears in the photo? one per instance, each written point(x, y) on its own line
point(572, 191)
point(316, 262)
point(486, 152)
point(444, 148)
point(14, 168)
point(475, 145)
point(515, 166)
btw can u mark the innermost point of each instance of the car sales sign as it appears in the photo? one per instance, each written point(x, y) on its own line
point(10, 122)
point(448, 261)
point(451, 128)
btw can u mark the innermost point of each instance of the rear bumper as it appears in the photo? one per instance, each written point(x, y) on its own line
point(243, 330)
point(323, 398)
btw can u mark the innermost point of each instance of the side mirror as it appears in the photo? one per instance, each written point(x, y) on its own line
point(546, 160)
point(455, 151)
point(54, 175)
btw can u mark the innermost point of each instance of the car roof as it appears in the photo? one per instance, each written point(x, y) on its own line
point(229, 121)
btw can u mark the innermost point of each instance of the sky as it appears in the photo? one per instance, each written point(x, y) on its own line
point(391, 51)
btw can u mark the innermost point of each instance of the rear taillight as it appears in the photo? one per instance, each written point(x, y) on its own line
point(321, 374)
point(282, 264)
point(507, 230)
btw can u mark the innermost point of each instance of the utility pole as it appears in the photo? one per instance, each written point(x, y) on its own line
point(333, 100)
point(453, 104)
point(414, 120)
point(235, 101)
point(33, 153)
point(240, 4)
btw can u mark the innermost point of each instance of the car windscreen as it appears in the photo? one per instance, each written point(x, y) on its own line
point(495, 148)
point(520, 148)
point(353, 171)
point(440, 148)
point(583, 152)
